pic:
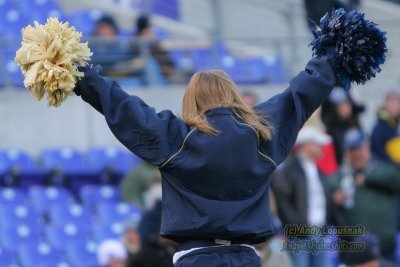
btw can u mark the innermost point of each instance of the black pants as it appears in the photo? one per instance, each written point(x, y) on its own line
point(221, 256)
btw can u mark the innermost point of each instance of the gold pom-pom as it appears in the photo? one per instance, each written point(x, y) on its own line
point(49, 58)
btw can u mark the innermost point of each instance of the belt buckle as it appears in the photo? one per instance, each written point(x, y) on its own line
point(222, 242)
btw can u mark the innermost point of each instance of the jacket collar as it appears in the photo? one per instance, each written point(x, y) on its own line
point(218, 111)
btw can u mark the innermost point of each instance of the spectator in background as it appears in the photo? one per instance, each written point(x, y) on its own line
point(111, 253)
point(106, 28)
point(340, 113)
point(131, 237)
point(369, 257)
point(145, 32)
point(250, 98)
point(107, 50)
point(155, 251)
point(136, 184)
point(386, 127)
point(364, 190)
point(302, 192)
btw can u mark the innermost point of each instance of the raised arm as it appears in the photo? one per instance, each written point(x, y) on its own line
point(150, 135)
point(289, 110)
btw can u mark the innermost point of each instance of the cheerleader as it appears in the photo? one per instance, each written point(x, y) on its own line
point(217, 159)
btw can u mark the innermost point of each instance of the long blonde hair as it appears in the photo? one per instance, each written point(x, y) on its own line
point(214, 88)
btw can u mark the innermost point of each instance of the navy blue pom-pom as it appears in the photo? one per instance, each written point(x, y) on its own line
point(357, 45)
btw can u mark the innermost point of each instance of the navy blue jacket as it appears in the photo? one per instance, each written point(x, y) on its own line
point(213, 186)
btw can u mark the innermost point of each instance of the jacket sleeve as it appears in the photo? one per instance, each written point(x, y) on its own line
point(289, 110)
point(383, 176)
point(150, 135)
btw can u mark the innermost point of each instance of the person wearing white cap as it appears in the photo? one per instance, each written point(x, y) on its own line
point(111, 253)
point(301, 192)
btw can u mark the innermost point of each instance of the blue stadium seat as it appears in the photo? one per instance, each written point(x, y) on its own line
point(182, 58)
point(42, 197)
point(59, 236)
point(112, 163)
point(82, 254)
point(40, 10)
point(62, 213)
point(23, 167)
point(68, 166)
point(14, 74)
point(64, 159)
point(168, 8)
point(40, 255)
point(109, 212)
point(112, 158)
point(11, 21)
point(7, 259)
point(102, 232)
point(14, 236)
point(30, 5)
point(203, 59)
point(11, 215)
point(12, 196)
point(91, 195)
point(85, 20)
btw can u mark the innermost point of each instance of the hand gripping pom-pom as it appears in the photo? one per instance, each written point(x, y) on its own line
point(49, 58)
point(357, 45)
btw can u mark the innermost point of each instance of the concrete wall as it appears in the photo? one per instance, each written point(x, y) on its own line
point(31, 125)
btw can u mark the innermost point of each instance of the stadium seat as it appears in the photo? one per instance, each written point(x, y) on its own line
point(85, 20)
point(102, 232)
point(168, 8)
point(14, 236)
point(68, 167)
point(40, 10)
point(64, 159)
point(62, 213)
point(203, 59)
point(59, 236)
point(12, 21)
point(112, 161)
point(22, 167)
point(182, 58)
point(82, 254)
point(12, 196)
point(11, 215)
point(14, 74)
point(43, 197)
point(91, 195)
point(109, 212)
point(7, 259)
point(40, 255)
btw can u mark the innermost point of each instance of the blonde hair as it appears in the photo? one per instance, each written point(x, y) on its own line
point(210, 89)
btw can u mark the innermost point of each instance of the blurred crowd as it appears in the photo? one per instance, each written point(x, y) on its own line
point(136, 60)
point(337, 175)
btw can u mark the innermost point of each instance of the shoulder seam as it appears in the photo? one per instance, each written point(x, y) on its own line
point(175, 154)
